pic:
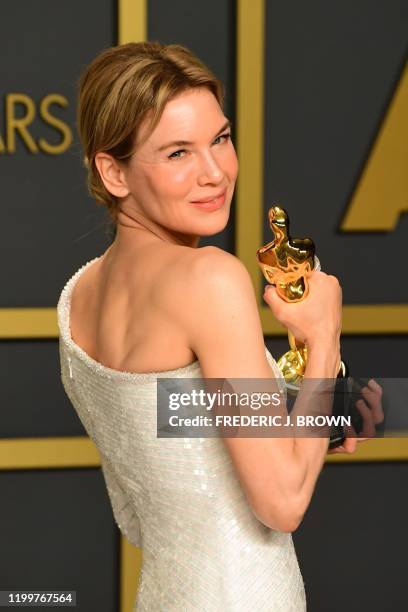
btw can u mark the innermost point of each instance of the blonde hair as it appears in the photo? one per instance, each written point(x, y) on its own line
point(117, 90)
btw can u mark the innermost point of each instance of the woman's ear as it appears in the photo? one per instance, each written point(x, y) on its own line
point(112, 175)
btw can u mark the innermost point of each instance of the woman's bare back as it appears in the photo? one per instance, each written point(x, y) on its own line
point(121, 308)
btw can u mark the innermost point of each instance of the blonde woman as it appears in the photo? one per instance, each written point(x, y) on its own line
point(213, 516)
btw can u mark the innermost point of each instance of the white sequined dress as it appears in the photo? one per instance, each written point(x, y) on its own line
point(179, 499)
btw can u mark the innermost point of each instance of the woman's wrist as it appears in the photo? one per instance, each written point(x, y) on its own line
point(323, 358)
point(329, 343)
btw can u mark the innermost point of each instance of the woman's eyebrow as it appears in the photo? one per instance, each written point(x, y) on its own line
point(181, 143)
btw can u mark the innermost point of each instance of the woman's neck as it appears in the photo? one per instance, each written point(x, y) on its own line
point(128, 222)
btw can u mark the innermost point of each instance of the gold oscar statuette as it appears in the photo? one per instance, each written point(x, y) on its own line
point(287, 263)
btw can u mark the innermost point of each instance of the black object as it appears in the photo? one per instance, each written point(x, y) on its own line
point(347, 393)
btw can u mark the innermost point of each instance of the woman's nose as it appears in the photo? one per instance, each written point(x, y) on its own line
point(210, 170)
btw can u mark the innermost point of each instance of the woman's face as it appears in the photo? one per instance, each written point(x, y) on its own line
point(188, 157)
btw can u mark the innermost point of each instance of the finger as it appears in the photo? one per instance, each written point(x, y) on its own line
point(373, 384)
point(270, 295)
point(373, 399)
point(269, 289)
point(337, 449)
point(350, 445)
point(350, 431)
point(370, 396)
point(374, 402)
point(368, 422)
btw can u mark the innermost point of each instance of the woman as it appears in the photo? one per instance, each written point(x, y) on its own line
point(214, 516)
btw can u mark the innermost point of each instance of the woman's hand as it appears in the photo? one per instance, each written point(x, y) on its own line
point(372, 413)
point(316, 319)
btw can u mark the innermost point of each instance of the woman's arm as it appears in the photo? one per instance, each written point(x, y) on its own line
point(220, 316)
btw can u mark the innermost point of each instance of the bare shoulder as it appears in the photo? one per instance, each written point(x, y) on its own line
point(195, 270)
point(217, 311)
point(213, 269)
point(209, 277)
point(221, 261)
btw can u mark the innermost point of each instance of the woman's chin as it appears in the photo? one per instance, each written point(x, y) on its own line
point(212, 224)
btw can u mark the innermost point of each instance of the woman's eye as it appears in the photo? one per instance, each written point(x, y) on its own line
point(176, 155)
point(226, 136)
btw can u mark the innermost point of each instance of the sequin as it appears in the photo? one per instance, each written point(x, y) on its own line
point(179, 499)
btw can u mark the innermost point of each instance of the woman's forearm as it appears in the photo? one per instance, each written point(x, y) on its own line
point(315, 397)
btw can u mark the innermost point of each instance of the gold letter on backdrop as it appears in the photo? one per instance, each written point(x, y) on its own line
point(57, 123)
point(15, 124)
point(382, 193)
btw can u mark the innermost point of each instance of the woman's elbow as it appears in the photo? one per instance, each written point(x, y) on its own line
point(289, 524)
point(286, 519)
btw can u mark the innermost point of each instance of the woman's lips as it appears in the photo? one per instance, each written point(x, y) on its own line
point(213, 204)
